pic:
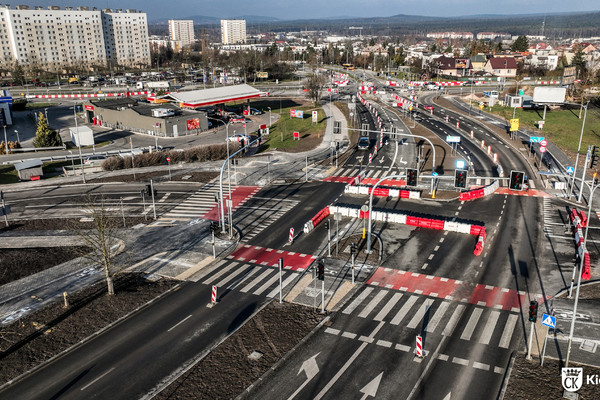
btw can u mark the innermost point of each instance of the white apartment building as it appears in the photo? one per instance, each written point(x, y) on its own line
point(126, 37)
point(52, 38)
point(182, 31)
point(233, 31)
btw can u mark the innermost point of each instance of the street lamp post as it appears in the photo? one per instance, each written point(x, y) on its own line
point(78, 142)
point(578, 150)
point(269, 117)
point(228, 167)
point(17, 133)
point(582, 258)
point(5, 141)
point(72, 161)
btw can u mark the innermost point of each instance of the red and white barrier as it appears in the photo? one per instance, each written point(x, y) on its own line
point(382, 192)
point(480, 242)
point(479, 193)
point(213, 297)
point(291, 238)
point(578, 220)
point(407, 219)
point(85, 95)
point(314, 221)
point(419, 348)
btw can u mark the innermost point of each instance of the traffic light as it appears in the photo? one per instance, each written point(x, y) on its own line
point(516, 180)
point(149, 190)
point(327, 224)
point(352, 248)
point(321, 270)
point(214, 227)
point(411, 177)
point(460, 178)
point(533, 306)
point(594, 159)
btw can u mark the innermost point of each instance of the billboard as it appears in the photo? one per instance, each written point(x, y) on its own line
point(296, 113)
point(193, 124)
point(262, 74)
point(568, 77)
point(461, 62)
point(549, 95)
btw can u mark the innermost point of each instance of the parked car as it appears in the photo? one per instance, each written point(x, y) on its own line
point(239, 120)
point(428, 107)
point(94, 160)
point(363, 143)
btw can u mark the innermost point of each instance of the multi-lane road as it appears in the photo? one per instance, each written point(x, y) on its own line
point(468, 310)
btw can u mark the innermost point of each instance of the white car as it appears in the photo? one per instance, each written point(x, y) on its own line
point(239, 137)
point(94, 160)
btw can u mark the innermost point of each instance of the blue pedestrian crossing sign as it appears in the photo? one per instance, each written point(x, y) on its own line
point(549, 321)
point(569, 170)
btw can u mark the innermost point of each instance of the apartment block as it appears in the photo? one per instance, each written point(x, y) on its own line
point(233, 31)
point(55, 38)
point(182, 31)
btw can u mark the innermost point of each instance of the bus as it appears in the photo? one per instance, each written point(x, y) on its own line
point(349, 67)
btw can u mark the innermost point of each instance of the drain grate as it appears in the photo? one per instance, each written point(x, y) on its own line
point(255, 355)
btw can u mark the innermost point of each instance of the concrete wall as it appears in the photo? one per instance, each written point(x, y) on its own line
point(128, 119)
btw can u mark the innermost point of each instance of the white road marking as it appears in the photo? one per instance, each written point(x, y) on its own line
point(220, 273)
point(266, 285)
point(256, 280)
point(179, 323)
point(372, 304)
point(352, 306)
point(405, 307)
point(453, 320)
point(471, 324)
point(490, 325)
point(98, 378)
point(508, 331)
point(437, 317)
point(388, 307)
point(420, 314)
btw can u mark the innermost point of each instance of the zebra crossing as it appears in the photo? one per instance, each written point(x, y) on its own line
point(246, 278)
point(194, 206)
point(486, 326)
point(271, 215)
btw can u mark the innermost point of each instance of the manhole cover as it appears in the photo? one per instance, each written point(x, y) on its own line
point(570, 395)
point(255, 355)
point(588, 345)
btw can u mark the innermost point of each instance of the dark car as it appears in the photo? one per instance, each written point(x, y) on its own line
point(363, 143)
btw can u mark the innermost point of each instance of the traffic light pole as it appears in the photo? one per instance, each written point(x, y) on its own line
point(530, 342)
point(578, 150)
point(153, 202)
point(587, 159)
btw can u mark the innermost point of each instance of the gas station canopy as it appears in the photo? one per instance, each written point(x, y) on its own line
point(206, 97)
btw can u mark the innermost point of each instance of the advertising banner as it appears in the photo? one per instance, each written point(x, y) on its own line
point(193, 124)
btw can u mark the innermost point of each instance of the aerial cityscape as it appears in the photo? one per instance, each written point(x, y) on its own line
point(273, 201)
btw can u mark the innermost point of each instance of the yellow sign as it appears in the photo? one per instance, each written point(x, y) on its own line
point(262, 74)
point(410, 108)
point(514, 124)
point(481, 105)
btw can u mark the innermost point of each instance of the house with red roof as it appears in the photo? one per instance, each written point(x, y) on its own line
point(505, 67)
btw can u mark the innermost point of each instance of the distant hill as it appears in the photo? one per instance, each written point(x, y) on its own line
point(576, 24)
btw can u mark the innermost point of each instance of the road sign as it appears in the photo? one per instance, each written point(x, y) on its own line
point(514, 124)
point(543, 143)
point(168, 159)
point(536, 139)
point(549, 321)
point(542, 149)
point(453, 139)
point(570, 170)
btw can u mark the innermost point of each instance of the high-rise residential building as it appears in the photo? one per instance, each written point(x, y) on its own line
point(182, 31)
point(233, 31)
point(55, 38)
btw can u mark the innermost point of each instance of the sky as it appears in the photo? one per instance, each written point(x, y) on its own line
point(286, 9)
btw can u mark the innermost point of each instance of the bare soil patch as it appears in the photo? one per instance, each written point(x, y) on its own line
point(227, 371)
point(529, 381)
point(56, 224)
point(40, 336)
point(19, 263)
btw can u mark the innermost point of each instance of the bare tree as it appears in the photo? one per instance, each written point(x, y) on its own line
point(315, 83)
point(102, 239)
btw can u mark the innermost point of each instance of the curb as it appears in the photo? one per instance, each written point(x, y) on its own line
point(86, 339)
point(507, 375)
point(271, 370)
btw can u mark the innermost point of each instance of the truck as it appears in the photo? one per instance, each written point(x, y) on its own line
point(164, 85)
